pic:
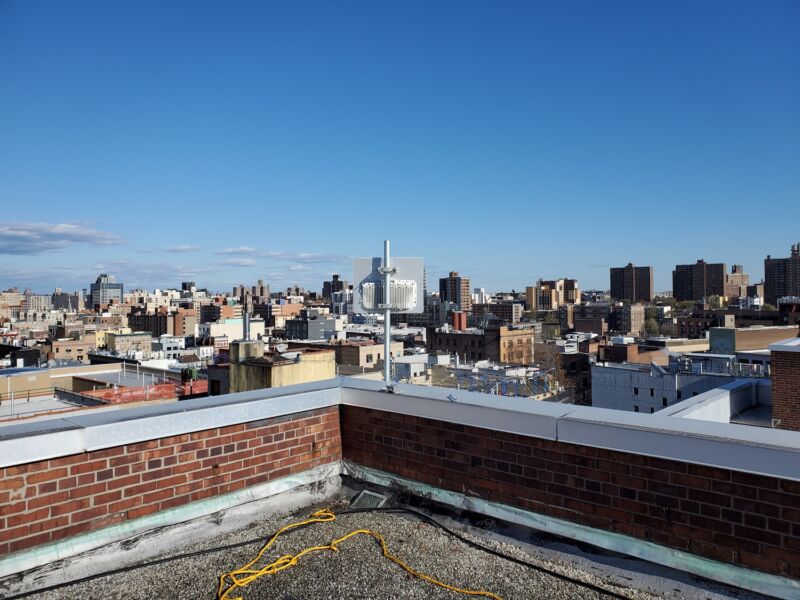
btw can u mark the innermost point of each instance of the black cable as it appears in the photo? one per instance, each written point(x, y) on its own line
point(352, 511)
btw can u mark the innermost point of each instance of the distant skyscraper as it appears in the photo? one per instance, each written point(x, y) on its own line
point(66, 300)
point(634, 284)
point(698, 281)
point(455, 289)
point(104, 291)
point(736, 282)
point(261, 291)
point(550, 294)
point(334, 285)
point(782, 276)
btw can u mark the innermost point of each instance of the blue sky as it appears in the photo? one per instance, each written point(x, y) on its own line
point(221, 142)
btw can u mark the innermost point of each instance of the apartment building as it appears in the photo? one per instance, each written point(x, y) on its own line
point(455, 289)
point(698, 281)
point(632, 284)
point(130, 343)
point(782, 276)
point(507, 345)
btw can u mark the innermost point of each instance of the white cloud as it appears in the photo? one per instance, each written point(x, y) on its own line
point(237, 262)
point(240, 250)
point(183, 249)
point(316, 258)
point(22, 238)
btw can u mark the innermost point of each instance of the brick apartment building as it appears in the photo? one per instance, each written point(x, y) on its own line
point(71, 349)
point(455, 289)
point(782, 276)
point(736, 283)
point(506, 311)
point(698, 281)
point(123, 343)
point(632, 284)
point(508, 345)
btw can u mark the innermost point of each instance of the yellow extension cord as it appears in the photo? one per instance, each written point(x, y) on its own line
point(247, 574)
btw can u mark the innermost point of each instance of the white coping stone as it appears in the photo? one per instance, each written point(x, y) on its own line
point(53, 444)
point(114, 433)
point(751, 449)
point(511, 415)
point(787, 345)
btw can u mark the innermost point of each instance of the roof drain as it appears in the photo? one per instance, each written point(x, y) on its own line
point(367, 499)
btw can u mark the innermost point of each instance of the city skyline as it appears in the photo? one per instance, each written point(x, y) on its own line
point(150, 145)
point(245, 262)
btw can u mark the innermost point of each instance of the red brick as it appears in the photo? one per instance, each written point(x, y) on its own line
point(87, 490)
point(14, 483)
point(49, 475)
point(29, 542)
point(64, 508)
point(89, 514)
point(49, 500)
point(88, 467)
point(49, 524)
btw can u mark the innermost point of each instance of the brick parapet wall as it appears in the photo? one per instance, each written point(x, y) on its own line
point(54, 499)
point(724, 515)
point(785, 367)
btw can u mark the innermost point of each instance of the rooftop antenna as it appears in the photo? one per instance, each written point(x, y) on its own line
point(386, 286)
point(387, 271)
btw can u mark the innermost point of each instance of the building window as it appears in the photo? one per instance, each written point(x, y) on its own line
point(636, 393)
point(635, 408)
point(369, 358)
point(679, 394)
point(652, 392)
point(664, 401)
point(652, 410)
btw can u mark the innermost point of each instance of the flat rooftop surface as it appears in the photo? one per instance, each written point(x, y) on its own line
point(24, 406)
point(359, 570)
point(756, 416)
point(126, 378)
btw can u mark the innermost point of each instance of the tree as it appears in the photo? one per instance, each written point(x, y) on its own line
point(651, 327)
point(714, 302)
point(766, 306)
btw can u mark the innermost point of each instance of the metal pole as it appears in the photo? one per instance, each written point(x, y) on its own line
point(387, 315)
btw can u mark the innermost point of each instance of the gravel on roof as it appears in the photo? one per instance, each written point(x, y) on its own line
point(358, 570)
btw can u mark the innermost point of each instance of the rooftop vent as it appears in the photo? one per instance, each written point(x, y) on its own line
point(367, 499)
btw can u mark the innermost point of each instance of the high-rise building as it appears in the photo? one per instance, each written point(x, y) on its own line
point(455, 289)
point(736, 282)
point(38, 302)
point(71, 301)
point(634, 284)
point(698, 281)
point(104, 291)
point(782, 276)
point(550, 294)
point(260, 291)
point(334, 285)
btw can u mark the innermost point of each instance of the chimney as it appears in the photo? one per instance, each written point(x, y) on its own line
point(785, 368)
point(459, 320)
